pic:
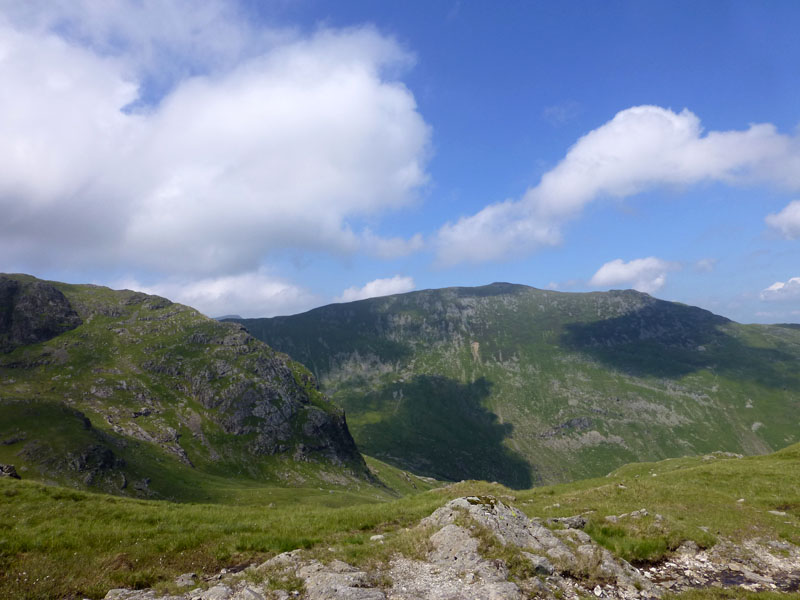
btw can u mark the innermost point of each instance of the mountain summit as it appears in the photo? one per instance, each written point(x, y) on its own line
point(520, 385)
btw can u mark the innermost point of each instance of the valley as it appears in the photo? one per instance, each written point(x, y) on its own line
point(160, 454)
point(524, 386)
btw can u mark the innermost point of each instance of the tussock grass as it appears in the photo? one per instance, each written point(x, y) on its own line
point(65, 543)
point(62, 543)
point(697, 498)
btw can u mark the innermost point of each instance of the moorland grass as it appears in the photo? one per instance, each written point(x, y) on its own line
point(56, 542)
point(62, 543)
point(698, 499)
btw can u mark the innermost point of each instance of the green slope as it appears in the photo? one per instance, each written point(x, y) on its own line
point(525, 386)
point(61, 543)
point(136, 395)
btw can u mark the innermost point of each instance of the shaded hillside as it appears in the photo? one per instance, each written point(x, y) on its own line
point(575, 384)
point(137, 395)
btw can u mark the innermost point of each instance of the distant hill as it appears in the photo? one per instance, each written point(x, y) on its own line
point(133, 394)
point(520, 385)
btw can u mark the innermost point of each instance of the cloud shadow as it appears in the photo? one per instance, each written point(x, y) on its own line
point(670, 340)
point(439, 427)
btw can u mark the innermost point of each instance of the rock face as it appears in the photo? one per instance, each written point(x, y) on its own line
point(523, 386)
point(32, 312)
point(462, 563)
point(98, 386)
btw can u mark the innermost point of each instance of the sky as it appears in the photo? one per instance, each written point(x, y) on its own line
point(263, 158)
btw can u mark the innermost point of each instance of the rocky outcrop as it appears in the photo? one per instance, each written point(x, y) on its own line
point(32, 312)
point(9, 471)
point(482, 549)
point(158, 374)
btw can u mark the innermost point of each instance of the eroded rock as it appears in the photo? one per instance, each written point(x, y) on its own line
point(563, 563)
point(9, 471)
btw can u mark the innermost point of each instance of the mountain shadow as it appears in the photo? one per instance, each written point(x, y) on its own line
point(436, 426)
point(665, 339)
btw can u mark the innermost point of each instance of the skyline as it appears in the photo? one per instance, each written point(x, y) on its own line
point(265, 158)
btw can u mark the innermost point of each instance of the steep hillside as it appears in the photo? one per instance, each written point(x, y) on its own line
point(134, 394)
point(523, 386)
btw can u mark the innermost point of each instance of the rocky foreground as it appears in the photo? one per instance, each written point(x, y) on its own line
point(480, 548)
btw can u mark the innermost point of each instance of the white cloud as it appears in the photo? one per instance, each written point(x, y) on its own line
point(159, 40)
point(786, 222)
point(644, 274)
point(285, 143)
point(706, 265)
point(783, 290)
point(378, 287)
point(255, 294)
point(640, 148)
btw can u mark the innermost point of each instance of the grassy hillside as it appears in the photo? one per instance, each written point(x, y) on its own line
point(525, 386)
point(57, 542)
point(136, 395)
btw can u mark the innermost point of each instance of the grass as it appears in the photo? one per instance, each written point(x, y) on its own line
point(59, 542)
point(697, 499)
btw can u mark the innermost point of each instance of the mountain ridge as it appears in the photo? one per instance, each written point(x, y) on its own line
point(502, 378)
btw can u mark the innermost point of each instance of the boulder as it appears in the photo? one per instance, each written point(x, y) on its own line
point(9, 471)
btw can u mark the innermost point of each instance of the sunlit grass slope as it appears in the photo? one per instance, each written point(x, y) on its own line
point(56, 542)
point(143, 397)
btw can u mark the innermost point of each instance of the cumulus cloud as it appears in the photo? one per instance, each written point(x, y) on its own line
point(255, 294)
point(640, 148)
point(783, 290)
point(378, 287)
point(275, 141)
point(787, 221)
point(644, 274)
point(161, 41)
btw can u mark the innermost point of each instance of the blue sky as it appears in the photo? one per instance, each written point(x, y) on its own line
point(264, 158)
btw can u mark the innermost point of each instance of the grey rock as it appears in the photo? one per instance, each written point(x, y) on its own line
point(418, 580)
point(9, 471)
point(541, 565)
point(32, 312)
point(218, 592)
point(509, 525)
point(282, 560)
point(576, 522)
point(338, 581)
point(455, 547)
point(248, 593)
point(186, 580)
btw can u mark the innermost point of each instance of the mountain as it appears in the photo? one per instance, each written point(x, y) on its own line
point(133, 394)
point(526, 386)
